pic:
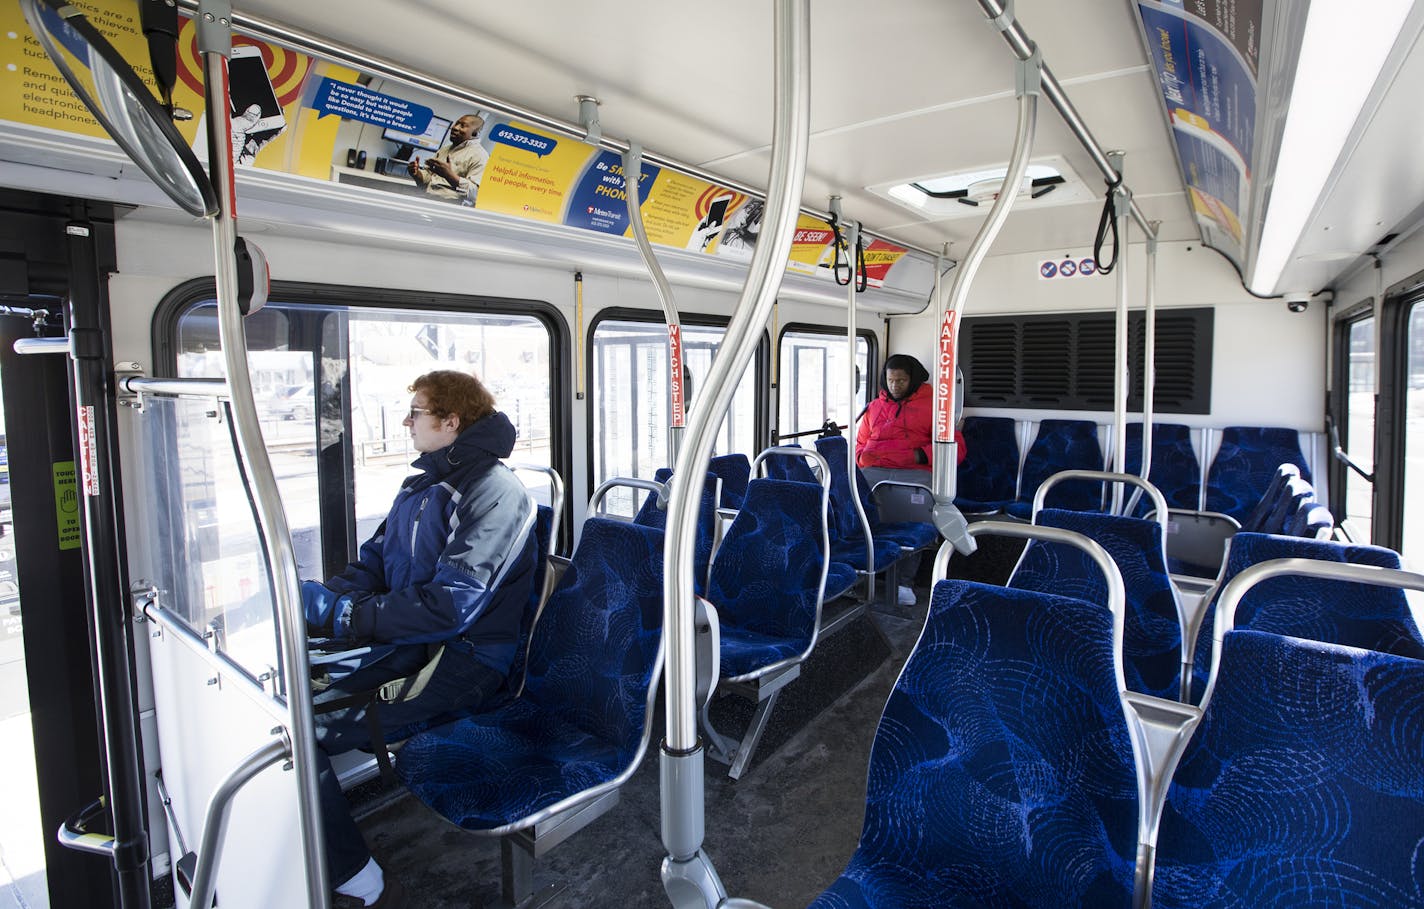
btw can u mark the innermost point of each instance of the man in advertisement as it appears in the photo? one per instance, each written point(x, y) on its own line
point(453, 173)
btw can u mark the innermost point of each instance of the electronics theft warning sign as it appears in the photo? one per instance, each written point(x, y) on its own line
point(66, 504)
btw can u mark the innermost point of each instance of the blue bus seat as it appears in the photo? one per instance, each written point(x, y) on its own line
point(1330, 611)
point(848, 540)
point(1296, 495)
point(767, 585)
point(651, 515)
point(1302, 786)
point(1061, 445)
point(1241, 472)
point(1176, 469)
point(910, 535)
point(556, 755)
point(1313, 522)
point(1001, 772)
point(1152, 635)
point(789, 467)
point(1256, 521)
point(735, 471)
point(987, 478)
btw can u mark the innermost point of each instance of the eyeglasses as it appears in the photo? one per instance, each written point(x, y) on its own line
point(415, 413)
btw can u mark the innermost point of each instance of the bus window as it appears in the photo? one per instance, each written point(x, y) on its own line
point(1412, 546)
point(630, 418)
point(813, 380)
point(317, 370)
point(1359, 422)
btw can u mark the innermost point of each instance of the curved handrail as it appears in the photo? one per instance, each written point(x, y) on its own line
point(595, 501)
point(215, 45)
point(1159, 501)
point(818, 460)
point(632, 186)
point(686, 866)
point(945, 460)
point(556, 495)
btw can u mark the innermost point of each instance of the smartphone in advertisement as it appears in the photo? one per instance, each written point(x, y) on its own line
point(254, 103)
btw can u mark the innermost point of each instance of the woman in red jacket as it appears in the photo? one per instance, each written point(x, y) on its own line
point(893, 442)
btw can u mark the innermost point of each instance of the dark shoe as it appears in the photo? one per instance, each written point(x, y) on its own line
point(393, 897)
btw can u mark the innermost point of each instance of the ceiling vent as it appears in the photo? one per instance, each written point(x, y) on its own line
point(1049, 181)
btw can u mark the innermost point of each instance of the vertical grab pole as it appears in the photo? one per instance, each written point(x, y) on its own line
point(215, 44)
point(632, 180)
point(852, 238)
point(1149, 352)
point(687, 872)
point(948, 520)
point(1122, 209)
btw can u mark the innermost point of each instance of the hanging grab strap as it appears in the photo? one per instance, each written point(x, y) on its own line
point(1106, 222)
point(838, 244)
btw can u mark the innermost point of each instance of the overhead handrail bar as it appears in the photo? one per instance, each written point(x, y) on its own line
point(224, 667)
point(632, 179)
point(1121, 199)
point(852, 287)
point(215, 822)
point(1023, 48)
point(687, 873)
point(337, 52)
point(947, 518)
point(215, 46)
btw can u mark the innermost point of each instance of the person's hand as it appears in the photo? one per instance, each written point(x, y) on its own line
point(442, 168)
point(319, 604)
point(412, 167)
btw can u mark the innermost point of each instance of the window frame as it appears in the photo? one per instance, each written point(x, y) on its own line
point(1339, 412)
point(1391, 402)
point(761, 363)
point(336, 489)
point(872, 363)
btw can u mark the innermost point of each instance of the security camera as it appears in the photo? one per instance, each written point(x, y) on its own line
point(1297, 302)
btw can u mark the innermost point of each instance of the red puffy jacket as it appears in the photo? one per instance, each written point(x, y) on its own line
point(891, 432)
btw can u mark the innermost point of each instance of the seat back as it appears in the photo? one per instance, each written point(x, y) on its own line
point(781, 465)
point(735, 471)
point(1326, 610)
point(1062, 445)
point(844, 516)
point(988, 476)
point(1295, 495)
point(1001, 770)
point(770, 572)
point(543, 542)
point(596, 651)
point(1314, 522)
point(1241, 471)
point(650, 515)
point(1175, 470)
point(1255, 522)
point(1152, 636)
point(1302, 785)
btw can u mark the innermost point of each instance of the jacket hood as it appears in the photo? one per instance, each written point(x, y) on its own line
point(911, 367)
point(482, 443)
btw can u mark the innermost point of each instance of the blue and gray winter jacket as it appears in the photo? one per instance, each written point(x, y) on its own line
point(454, 557)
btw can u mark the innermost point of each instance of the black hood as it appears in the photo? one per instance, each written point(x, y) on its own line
point(911, 367)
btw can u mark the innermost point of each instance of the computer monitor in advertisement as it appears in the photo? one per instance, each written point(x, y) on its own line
point(434, 136)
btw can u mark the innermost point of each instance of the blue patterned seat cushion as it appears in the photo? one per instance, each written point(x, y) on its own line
point(1061, 445)
point(853, 553)
point(1336, 612)
point(1176, 471)
point(580, 721)
point(789, 467)
point(1001, 771)
point(905, 534)
point(1152, 637)
point(846, 529)
point(1256, 520)
point(735, 471)
point(987, 478)
point(1303, 786)
point(840, 577)
point(766, 579)
point(1242, 469)
point(650, 515)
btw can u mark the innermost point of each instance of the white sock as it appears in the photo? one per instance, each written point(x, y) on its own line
point(366, 884)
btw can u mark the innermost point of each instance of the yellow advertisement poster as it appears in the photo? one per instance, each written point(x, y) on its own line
point(811, 245)
point(529, 174)
point(36, 94)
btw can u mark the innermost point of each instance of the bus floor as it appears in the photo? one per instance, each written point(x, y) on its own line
point(779, 835)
